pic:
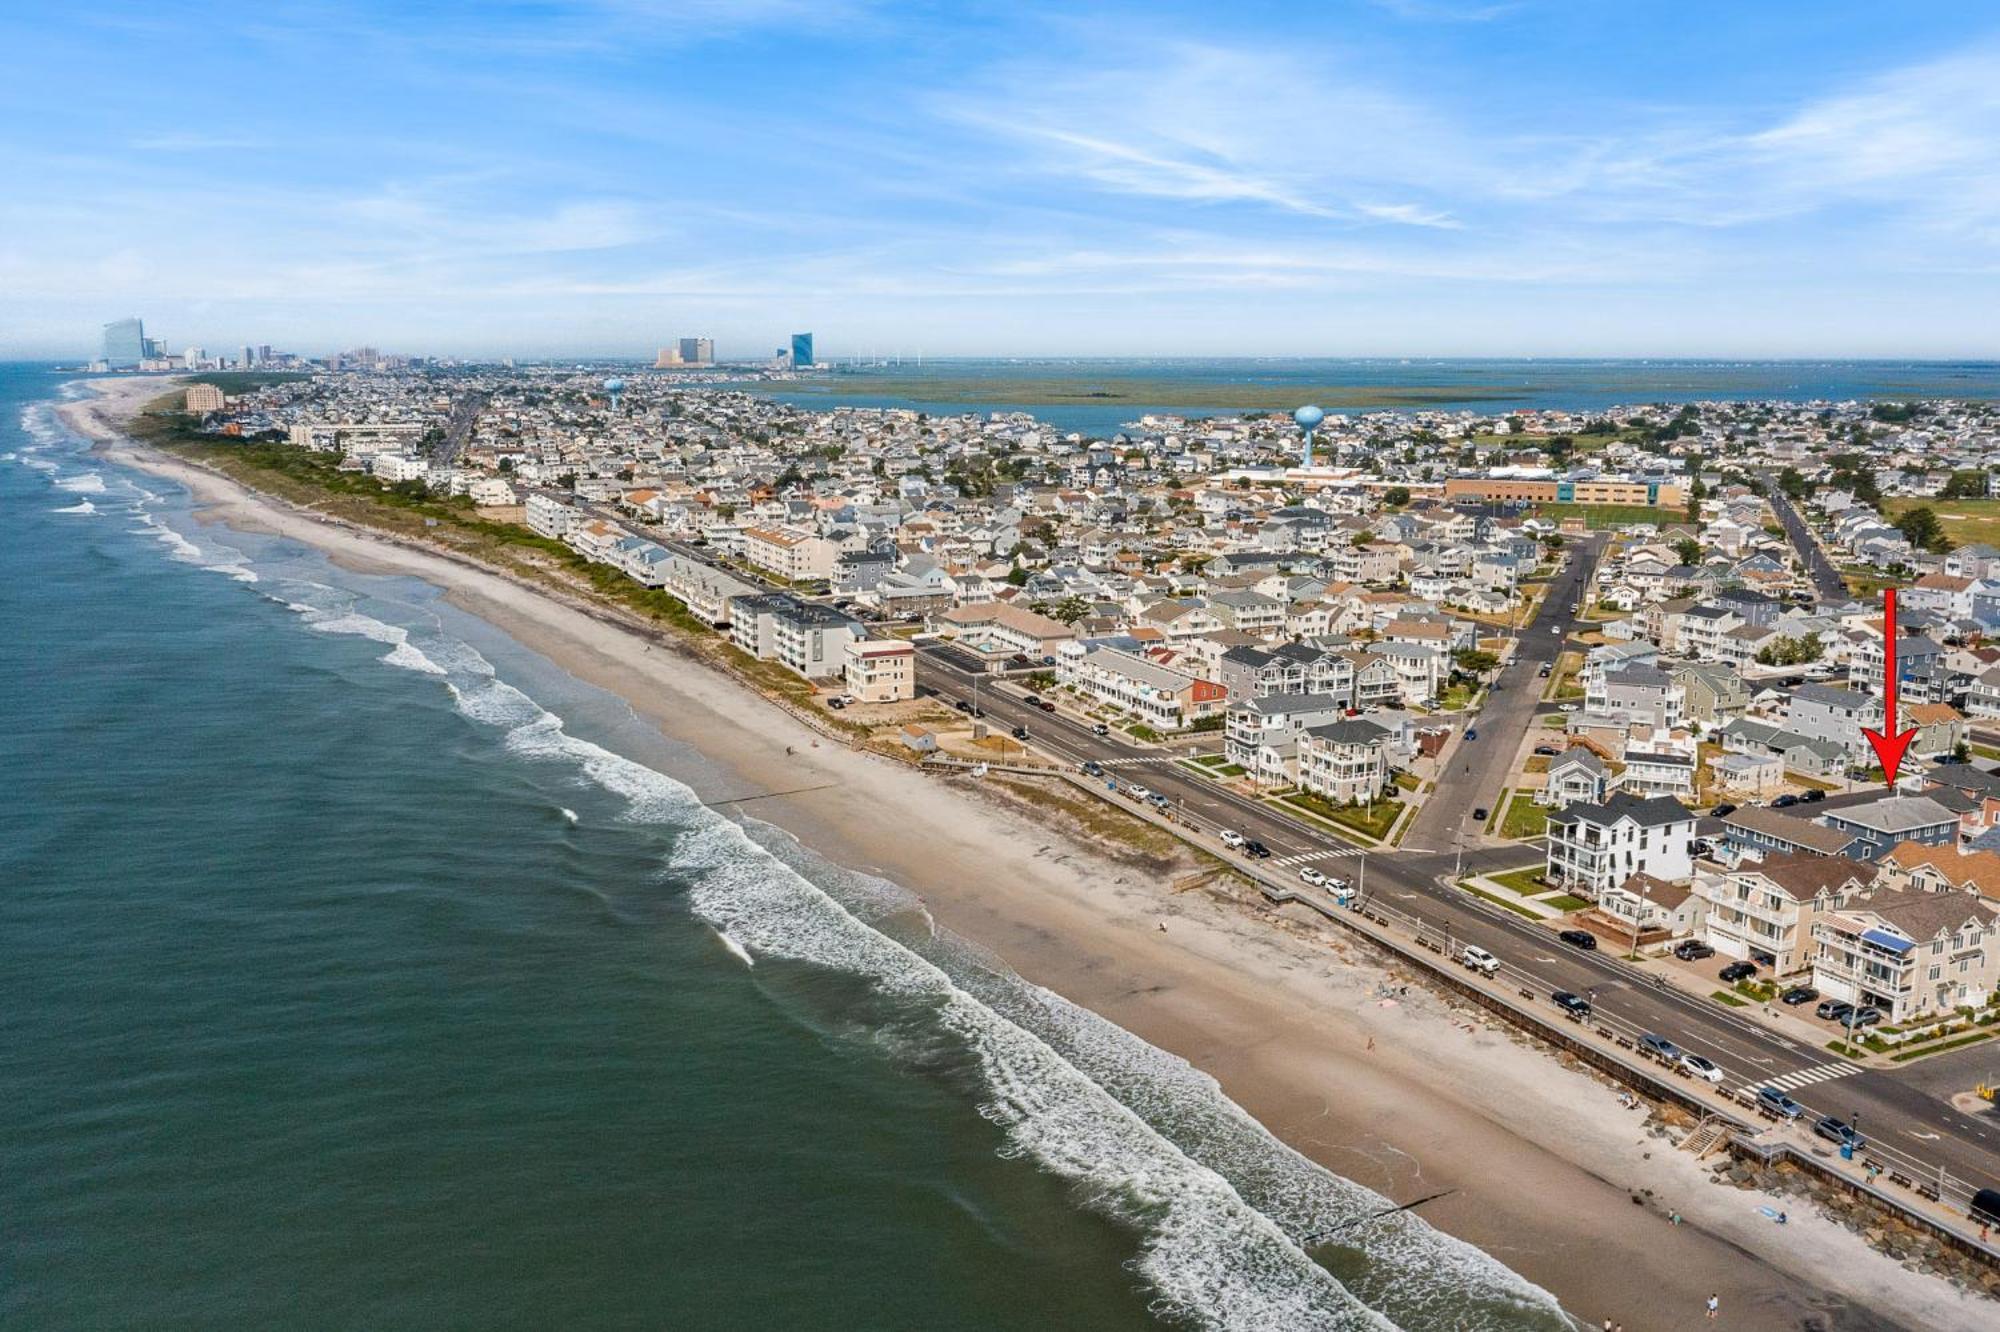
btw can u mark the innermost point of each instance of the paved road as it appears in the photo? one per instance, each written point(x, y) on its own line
point(1479, 768)
point(1825, 578)
point(458, 430)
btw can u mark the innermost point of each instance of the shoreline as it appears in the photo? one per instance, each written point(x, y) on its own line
point(1409, 1097)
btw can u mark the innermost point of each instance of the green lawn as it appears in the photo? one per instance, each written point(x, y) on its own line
point(1349, 816)
point(1455, 698)
point(1524, 818)
point(1526, 882)
point(1963, 520)
point(1565, 902)
point(1409, 781)
point(1725, 997)
point(1939, 1047)
point(1611, 515)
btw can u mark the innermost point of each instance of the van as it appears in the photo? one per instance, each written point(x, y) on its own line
point(1479, 960)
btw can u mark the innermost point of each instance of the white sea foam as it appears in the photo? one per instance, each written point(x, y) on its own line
point(402, 652)
point(222, 559)
point(81, 506)
point(1215, 1260)
point(569, 814)
point(90, 483)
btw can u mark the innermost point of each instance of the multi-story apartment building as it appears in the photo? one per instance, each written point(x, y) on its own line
point(790, 553)
point(1262, 733)
point(1909, 954)
point(551, 517)
point(1764, 911)
point(806, 637)
point(1163, 697)
point(881, 670)
point(1593, 847)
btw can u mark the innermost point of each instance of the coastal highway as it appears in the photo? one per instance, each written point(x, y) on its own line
point(1478, 769)
point(1826, 579)
point(1911, 1114)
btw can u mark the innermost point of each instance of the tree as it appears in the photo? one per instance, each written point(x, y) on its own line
point(1396, 496)
point(1794, 484)
point(1070, 609)
point(1474, 661)
point(1965, 485)
point(1687, 550)
point(1921, 528)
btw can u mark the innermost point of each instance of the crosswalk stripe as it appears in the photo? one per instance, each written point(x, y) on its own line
point(1805, 1077)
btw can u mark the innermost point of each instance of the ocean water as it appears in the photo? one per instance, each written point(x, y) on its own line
point(360, 968)
point(1487, 385)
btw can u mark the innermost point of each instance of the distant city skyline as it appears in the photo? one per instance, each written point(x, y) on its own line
point(1378, 177)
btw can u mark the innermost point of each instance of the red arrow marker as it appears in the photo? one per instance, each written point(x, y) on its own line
point(1889, 746)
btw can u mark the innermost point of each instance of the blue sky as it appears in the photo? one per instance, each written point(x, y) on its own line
point(1355, 177)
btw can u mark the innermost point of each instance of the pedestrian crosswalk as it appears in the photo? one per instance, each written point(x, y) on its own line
point(1132, 762)
point(1805, 1077)
point(1323, 853)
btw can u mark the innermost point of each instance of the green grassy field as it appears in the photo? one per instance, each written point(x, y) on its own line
point(1611, 515)
point(1964, 521)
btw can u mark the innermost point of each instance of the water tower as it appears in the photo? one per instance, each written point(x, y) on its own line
point(1308, 419)
point(616, 388)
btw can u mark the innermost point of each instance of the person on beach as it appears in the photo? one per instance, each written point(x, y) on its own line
point(1714, 1306)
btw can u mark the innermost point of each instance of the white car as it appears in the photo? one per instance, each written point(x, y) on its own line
point(1307, 874)
point(1230, 838)
point(1701, 1068)
point(1478, 959)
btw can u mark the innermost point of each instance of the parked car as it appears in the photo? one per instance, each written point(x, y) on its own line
point(1544, 672)
point(1583, 939)
point(1256, 851)
point(1137, 792)
point(1034, 700)
point(1696, 1066)
point(1479, 813)
point(835, 703)
point(1092, 768)
point(961, 705)
point(1784, 802)
point(1692, 950)
point(1839, 1132)
point(1770, 1098)
point(1722, 811)
point(1575, 1005)
point(1660, 1048)
point(1737, 971)
point(1478, 959)
point(1862, 1017)
point(1472, 732)
point(1019, 733)
point(1100, 729)
point(1798, 994)
point(1156, 800)
point(1549, 750)
point(1336, 884)
point(1833, 1010)
point(1046, 706)
point(1230, 838)
point(1307, 874)
point(1812, 797)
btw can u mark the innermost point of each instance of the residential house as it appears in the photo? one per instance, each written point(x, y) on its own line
point(1880, 825)
point(881, 670)
point(1597, 846)
point(1909, 954)
point(1344, 761)
point(1763, 911)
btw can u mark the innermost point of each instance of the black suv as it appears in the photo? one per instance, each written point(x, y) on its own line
point(1583, 939)
point(1737, 971)
point(1799, 994)
point(1575, 1005)
point(1256, 851)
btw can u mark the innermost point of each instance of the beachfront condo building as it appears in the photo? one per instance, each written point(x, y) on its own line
point(881, 670)
point(802, 350)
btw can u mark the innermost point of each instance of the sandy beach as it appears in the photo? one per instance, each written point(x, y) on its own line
point(1407, 1096)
